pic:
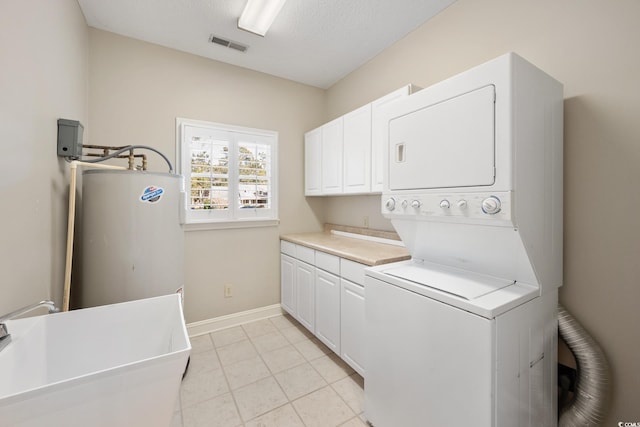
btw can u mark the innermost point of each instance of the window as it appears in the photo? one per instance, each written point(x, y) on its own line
point(230, 173)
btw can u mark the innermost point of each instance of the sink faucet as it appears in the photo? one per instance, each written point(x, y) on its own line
point(5, 336)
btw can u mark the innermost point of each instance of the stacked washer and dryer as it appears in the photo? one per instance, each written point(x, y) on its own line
point(465, 333)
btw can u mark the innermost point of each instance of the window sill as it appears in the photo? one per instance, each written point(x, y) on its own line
point(224, 225)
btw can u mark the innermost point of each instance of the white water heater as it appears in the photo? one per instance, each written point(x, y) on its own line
point(132, 241)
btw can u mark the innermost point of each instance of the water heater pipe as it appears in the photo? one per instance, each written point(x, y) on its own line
point(71, 224)
point(129, 148)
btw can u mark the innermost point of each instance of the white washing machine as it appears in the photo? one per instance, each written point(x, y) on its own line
point(465, 332)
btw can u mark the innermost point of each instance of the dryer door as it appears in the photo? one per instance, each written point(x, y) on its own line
point(447, 144)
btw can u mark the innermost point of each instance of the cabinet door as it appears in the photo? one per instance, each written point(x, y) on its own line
point(357, 151)
point(378, 132)
point(287, 284)
point(305, 294)
point(313, 162)
point(352, 329)
point(328, 309)
point(332, 138)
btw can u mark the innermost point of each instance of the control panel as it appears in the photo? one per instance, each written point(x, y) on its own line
point(495, 207)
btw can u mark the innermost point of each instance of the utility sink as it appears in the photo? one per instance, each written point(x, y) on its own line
point(113, 365)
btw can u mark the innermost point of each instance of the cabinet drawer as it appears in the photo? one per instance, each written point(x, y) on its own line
point(306, 254)
point(288, 248)
point(353, 271)
point(327, 262)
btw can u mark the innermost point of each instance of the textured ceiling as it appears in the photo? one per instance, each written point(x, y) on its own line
point(316, 42)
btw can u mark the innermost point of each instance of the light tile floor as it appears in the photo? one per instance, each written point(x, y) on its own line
point(271, 372)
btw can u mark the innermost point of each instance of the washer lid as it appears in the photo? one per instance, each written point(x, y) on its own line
point(463, 284)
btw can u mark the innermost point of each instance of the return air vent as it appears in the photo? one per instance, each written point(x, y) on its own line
point(228, 43)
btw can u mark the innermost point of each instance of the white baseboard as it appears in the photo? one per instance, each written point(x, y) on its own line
point(215, 324)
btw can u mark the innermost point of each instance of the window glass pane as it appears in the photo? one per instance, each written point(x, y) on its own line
point(254, 175)
point(230, 172)
point(209, 173)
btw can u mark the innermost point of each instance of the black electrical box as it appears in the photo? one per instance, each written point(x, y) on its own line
point(70, 138)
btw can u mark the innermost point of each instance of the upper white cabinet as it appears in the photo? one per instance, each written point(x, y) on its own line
point(345, 156)
point(313, 162)
point(332, 140)
point(357, 151)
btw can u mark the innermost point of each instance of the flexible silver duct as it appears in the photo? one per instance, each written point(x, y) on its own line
point(589, 405)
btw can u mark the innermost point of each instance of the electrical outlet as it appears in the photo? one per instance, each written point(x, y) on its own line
point(365, 221)
point(228, 291)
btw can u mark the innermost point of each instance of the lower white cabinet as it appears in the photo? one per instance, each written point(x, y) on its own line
point(325, 293)
point(328, 309)
point(305, 298)
point(288, 284)
point(297, 283)
point(352, 325)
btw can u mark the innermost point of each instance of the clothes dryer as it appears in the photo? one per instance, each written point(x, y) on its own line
point(465, 333)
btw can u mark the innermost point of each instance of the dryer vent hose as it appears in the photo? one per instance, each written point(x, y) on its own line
point(589, 405)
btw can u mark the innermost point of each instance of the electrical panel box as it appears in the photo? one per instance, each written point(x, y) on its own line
point(70, 138)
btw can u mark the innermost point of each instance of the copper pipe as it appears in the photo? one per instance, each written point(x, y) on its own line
point(128, 156)
point(106, 149)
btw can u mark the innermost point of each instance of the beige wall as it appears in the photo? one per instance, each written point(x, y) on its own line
point(592, 47)
point(352, 210)
point(43, 77)
point(137, 91)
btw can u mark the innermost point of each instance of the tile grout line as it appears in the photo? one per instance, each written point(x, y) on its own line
point(324, 379)
point(341, 397)
point(271, 375)
point(289, 401)
point(292, 344)
point(224, 374)
point(328, 384)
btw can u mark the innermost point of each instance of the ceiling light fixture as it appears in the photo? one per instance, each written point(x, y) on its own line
point(258, 15)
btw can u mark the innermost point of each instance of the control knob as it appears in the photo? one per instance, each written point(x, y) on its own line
point(491, 205)
point(391, 204)
point(404, 204)
point(462, 204)
point(416, 204)
point(444, 204)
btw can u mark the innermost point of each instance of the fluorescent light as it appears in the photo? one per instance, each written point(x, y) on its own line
point(258, 15)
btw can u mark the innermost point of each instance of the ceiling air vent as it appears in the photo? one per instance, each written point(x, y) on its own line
point(228, 43)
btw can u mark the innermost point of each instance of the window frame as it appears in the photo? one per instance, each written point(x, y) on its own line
point(233, 216)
